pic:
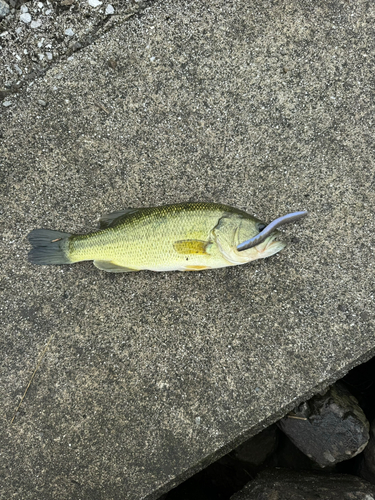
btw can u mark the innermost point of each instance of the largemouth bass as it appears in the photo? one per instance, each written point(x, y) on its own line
point(179, 237)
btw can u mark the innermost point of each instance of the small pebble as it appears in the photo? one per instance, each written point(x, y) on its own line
point(4, 8)
point(112, 63)
point(24, 9)
point(109, 10)
point(94, 3)
point(42, 103)
point(69, 32)
point(36, 24)
point(25, 18)
point(49, 56)
point(4, 93)
point(7, 103)
point(48, 12)
point(40, 5)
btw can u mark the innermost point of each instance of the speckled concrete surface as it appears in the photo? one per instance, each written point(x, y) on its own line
point(265, 106)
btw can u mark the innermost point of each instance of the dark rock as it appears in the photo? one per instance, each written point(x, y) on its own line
point(218, 481)
point(258, 448)
point(289, 456)
point(281, 484)
point(367, 467)
point(360, 381)
point(328, 428)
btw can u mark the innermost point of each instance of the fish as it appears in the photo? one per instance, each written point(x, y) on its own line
point(177, 237)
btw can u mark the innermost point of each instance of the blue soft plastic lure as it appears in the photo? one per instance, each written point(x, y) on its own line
point(263, 235)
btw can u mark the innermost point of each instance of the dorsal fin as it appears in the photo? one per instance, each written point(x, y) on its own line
point(110, 220)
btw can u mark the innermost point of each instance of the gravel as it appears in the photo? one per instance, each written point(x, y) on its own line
point(94, 3)
point(109, 10)
point(4, 9)
point(36, 24)
point(25, 18)
point(37, 35)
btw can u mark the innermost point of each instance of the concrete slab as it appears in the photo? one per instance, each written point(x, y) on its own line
point(149, 377)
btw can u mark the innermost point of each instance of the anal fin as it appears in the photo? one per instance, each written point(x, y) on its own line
point(110, 267)
point(196, 268)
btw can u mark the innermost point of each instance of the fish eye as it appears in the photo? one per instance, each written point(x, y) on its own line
point(261, 227)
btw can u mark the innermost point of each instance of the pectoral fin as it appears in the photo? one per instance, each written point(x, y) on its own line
point(189, 247)
point(110, 267)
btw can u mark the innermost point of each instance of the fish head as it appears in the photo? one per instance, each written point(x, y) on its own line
point(233, 230)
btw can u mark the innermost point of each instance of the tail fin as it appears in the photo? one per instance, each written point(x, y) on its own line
point(50, 247)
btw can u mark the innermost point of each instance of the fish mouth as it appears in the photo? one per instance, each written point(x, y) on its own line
point(272, 245)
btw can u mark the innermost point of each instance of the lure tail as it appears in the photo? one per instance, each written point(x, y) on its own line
point(50, 247)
